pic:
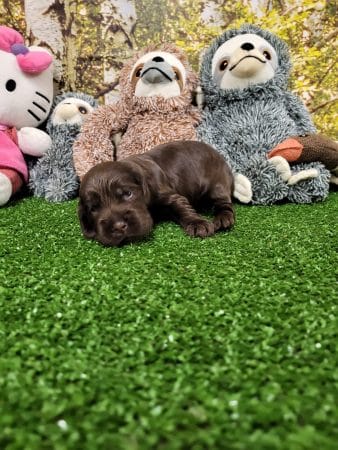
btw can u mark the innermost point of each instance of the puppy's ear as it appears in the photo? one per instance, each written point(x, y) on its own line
point(145, 188)
point(141, 178)
point(86, 220)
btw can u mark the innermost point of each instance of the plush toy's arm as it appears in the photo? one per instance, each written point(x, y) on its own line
point(94, 144)
point(299, 114)
point(33, 142)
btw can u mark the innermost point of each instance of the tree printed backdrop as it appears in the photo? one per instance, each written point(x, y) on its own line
point(91, 38)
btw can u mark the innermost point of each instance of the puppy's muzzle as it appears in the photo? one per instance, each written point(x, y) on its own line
point(113, 228)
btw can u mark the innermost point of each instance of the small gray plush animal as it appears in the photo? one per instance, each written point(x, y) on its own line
point(53, 177)
point(249, 111)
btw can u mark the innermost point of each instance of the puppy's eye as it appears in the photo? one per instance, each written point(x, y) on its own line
point(223, 65)
point(127, 194)
point(94, 207)
point(267, 55)
point(83, 110)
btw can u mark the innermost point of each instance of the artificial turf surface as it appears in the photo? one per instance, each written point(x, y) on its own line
point(174, 343)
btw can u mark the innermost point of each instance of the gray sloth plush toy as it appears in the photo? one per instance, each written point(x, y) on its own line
point(53, 177)
point(249, 111)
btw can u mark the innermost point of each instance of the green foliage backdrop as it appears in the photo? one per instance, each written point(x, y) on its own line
point(90, 39)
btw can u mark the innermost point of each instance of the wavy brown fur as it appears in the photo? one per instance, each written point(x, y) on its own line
point(144, 122)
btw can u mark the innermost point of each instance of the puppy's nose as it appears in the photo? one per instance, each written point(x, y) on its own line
point(119, 227)
point(158, 59)
point(247, 46)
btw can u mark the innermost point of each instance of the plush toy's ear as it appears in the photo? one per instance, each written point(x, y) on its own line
point(86, 221)
point(34, 62)
point(198, 98)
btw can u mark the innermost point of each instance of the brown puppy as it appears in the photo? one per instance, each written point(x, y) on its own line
point(119, 200)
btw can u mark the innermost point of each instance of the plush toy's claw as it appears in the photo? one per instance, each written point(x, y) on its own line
point(199, 98)
point(116, 139)
point(5, 189)
point(303, 175)
point(243, 190)
point(282, 167)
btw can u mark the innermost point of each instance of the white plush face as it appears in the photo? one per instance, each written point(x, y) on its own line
point(158, 73)
point(25, 99)
point(242, 61)
point(72, 111)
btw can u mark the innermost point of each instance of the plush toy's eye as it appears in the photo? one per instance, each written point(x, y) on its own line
point(10, 85)
point(138, 72)
point(223, 65)
point(83, 110)
point(178, 77)
point(267, 55)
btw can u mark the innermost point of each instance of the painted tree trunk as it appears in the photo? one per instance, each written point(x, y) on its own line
point(118, 22)
point(51, 24)
point(44, 28)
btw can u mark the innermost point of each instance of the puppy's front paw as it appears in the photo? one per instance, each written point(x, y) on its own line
point(200, 228)
point(224, 221)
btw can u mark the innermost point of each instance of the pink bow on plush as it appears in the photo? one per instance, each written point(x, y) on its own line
point(30, 61)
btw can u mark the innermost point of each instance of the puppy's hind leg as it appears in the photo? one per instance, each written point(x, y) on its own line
point(192, 222)
point(223, 207)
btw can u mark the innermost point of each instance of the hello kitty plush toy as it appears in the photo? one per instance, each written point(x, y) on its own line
point(26, 93)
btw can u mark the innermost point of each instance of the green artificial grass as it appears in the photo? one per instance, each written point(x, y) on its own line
point(173, 343)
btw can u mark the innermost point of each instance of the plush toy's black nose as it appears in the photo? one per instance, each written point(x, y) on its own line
point(158, 59)
point(247, 46)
